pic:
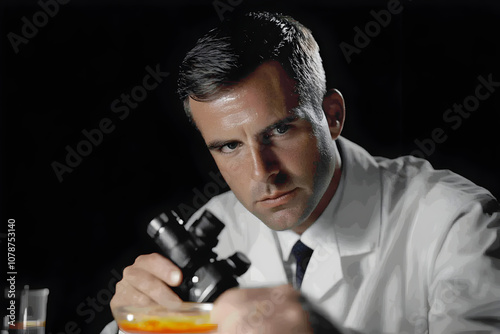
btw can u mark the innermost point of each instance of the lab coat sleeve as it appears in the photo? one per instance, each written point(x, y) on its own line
point(464, 287)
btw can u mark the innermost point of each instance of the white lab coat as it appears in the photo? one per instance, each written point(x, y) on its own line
point(402, 248)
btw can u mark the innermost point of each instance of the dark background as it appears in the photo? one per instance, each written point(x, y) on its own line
point(73, 236)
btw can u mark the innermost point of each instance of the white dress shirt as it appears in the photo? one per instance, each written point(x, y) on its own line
point(401, 248)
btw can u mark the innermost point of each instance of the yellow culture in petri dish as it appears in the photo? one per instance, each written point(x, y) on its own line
point(187, 318)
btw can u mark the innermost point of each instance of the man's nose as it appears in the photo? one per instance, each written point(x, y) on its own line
point(264, 162)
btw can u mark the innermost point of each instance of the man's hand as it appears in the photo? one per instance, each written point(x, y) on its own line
point(263, 310)
point(147, 282)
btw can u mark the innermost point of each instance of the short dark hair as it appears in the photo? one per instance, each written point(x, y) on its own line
point(232, 51)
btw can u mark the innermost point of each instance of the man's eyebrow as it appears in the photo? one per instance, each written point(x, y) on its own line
point(213, 145)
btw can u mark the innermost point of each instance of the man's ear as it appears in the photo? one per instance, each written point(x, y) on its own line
point(334, 109)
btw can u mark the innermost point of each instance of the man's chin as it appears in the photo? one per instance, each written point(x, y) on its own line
point(281, 220)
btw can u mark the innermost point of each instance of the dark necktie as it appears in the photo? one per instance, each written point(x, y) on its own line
point(302, 254)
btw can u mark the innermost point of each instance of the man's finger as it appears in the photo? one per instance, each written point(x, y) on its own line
point(160, 267)
point(150, 285)
point(127, 295)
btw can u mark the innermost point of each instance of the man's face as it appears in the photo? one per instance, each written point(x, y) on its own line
point(276, 159)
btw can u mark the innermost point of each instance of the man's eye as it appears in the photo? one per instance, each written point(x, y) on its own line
point(282, 129)
point(278, 131)
point(228, 148)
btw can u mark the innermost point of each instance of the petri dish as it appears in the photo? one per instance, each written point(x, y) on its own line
point(188, 317)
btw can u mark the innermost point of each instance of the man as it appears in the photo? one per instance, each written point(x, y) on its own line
point(396, 245)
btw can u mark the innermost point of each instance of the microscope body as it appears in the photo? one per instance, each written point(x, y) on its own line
point(205, 277)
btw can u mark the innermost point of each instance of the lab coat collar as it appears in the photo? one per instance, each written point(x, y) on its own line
point(358, 217)
point(349, 226)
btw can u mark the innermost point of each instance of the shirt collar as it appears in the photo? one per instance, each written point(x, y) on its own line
point(351, 221)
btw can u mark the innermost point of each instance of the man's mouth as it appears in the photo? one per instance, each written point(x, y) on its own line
point(277, 198)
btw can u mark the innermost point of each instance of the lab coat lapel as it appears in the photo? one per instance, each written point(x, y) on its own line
point(323, 272)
